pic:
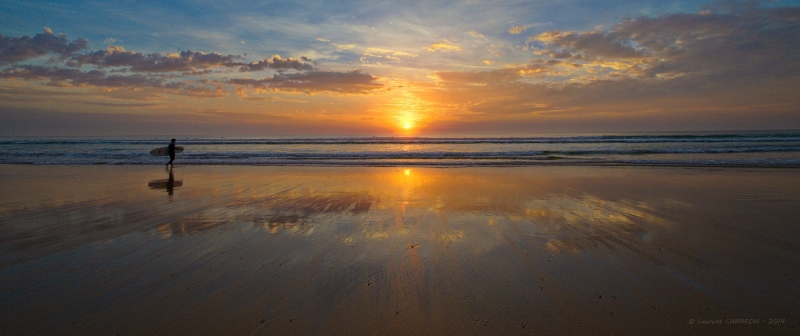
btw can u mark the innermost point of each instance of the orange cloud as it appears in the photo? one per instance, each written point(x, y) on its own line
point(476, 34)
point(443, 46)
point(516, 30)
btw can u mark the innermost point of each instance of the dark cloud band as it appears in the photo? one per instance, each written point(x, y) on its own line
point(17, 49)
point(352, 82)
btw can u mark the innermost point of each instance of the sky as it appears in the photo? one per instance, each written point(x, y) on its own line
point(404, 68)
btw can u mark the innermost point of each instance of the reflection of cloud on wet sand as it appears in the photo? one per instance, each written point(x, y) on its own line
point(573, 224)
point(292, 211)
point(470, 211)
point(405, 207)
point(293, 214)
point(473, 212)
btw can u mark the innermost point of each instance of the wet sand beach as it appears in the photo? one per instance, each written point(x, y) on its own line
point(250, 250)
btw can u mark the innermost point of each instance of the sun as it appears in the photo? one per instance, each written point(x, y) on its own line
point(407, 126)
point(407, 113)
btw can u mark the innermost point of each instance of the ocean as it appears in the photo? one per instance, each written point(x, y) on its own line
point(748, 149)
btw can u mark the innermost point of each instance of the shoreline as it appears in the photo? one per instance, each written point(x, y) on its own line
point(425, 165)
point(362, 250)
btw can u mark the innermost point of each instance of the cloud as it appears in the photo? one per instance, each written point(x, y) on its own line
point(352, 82)
point(279, 63)
point(754, 42)
point(116, 56)
point(17, 49)
point(479, 77)
point(183, 88)
point(63, 77)
point(476, 34)
point(722, 59)
point(676, 71)
point(344, 46)
point(582, 45)
point(505, 76)
point(443, 46)
point(76, 77)
point(516, 30)
point(107, 104)
point(149, 68)
point(519, 29)
point(385, 54)
point(337, 45)
point(116, 68)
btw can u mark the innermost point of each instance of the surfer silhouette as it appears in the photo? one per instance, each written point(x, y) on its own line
point(171, 149)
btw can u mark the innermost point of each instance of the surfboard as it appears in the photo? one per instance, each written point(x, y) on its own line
point(164, 151)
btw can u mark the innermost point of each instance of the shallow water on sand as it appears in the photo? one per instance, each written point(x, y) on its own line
point(358, 250)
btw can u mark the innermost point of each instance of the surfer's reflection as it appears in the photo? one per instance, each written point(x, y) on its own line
point(169, 184)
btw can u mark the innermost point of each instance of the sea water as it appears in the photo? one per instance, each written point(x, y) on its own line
point(756, 149)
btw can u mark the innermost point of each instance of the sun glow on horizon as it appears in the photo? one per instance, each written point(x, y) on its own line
point(407, 126)
point(406, 113)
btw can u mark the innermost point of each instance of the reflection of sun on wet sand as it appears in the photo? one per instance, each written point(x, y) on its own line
point(315, 250)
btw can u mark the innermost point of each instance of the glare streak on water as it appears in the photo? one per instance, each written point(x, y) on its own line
point(777, 149)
